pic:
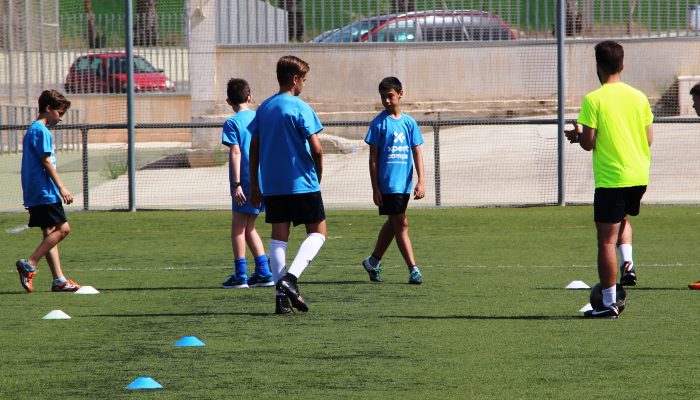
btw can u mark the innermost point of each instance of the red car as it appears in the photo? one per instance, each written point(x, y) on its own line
point(106, 73)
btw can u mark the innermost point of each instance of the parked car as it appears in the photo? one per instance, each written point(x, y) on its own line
point(106, 73)
point(422, 26)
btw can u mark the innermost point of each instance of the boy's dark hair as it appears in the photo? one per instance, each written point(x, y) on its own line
point(609, 56)
point(390, 82)
point(695, 91)
point(288, 67)
point(237, 91)
point(53, 99)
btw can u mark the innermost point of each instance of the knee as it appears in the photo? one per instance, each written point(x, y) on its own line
point(64, 230)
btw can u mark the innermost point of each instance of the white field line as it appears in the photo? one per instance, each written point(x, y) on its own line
point(353, 266)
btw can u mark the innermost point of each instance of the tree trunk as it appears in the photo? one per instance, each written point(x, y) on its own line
point(402, 6)
point(95, 41)
point(573, 18)
point(295, 19)
point(146, 27)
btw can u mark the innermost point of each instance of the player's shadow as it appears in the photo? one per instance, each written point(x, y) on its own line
point(139, 289)
point(181, 314)
point(631, 289)
point(491, 317)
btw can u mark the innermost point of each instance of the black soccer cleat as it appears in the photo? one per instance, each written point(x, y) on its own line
point(282, 305)
point(629, 275)
point(611, 312)
point(288, 286)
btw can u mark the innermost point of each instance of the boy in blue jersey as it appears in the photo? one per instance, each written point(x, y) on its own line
point(43, 191)
point(236, 137)
point(286, 148)
point(395, 145)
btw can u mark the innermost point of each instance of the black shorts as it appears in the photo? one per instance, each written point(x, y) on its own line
point(394, 203)
point(46, 215)
point(303, 208)
point(611, 205)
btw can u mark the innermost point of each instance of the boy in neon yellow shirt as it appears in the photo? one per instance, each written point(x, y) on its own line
point(616, 124)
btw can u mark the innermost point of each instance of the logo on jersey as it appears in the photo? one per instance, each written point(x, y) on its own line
point(399, 137)
point(398, 152)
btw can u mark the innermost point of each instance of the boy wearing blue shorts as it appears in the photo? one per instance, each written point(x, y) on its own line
point(43, 191)
point(236, 137)
point(286, 148)
point(395, 145)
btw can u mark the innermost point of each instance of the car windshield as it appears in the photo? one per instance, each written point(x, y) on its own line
point(118, 65)
point(353, 32)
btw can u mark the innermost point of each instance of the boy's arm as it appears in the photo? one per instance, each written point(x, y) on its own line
point(583, 135)
point(254, 164)
point(316, 154)
point(235, 157)
point(373, 174)
point(419, 190)
point(66, 195)
point(650, 135)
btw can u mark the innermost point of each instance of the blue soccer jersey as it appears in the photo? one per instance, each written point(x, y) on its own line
point(395, 139)
point(37, 186)
point(235, 132)
point(283, 123)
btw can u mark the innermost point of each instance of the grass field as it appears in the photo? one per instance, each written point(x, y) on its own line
point(491, 321)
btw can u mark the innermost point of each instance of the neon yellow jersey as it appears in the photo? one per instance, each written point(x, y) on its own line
point(620, 114)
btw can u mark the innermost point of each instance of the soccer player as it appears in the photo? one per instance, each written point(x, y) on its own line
point(236, 137)
point(395, 145)
point(286, 147)
point(616, 125)
point(43, 191)
point(695, 92)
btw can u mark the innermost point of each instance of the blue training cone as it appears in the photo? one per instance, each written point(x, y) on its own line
point(144, 382)
point(189, 341)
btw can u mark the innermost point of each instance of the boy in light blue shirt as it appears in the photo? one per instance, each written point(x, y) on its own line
point(286, 148)
point(43, 191)
point(395, 147)
point(236, 137)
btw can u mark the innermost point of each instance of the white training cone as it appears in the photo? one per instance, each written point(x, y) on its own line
point(87, 290)
point(56, 314)
point(577, 285)
point(585, 308)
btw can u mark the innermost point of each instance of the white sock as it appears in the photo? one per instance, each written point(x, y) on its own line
point(278, 258)
point(609, 296)
point(625, 250)
point(307, 251)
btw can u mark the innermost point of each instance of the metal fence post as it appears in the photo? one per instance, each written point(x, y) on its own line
point(436, 154)
point(86, 181)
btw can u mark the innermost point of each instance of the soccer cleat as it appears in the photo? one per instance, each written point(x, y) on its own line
point(282, 306)
point(256, 280)
point(611, 312)
point(416, 278)
point(236, 283)
point(26, 274)
point(629, 274)
point(67, 286)
point(288, 286)
point(694, 286)
point(373, 272)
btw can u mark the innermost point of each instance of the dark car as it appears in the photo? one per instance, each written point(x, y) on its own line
point(106, 73)
point(423, 26)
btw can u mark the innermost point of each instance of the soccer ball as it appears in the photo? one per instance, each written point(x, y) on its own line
point(597, 296)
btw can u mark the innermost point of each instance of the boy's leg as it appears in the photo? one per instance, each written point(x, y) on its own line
point(384, 238)
point(262, 277)
point(239, 278)
point(608, 234)
point(316, 236)
point(53, 259)
point(399, 222)
point(50, 238)
point(628, 275)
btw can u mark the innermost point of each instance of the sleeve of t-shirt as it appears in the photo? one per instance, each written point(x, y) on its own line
point(372, 137)
point(648, 115)
point(589, 113)
point(416, 136)
point(228, 134)
point(253, 127)
point(46, 142)
point(309, 124)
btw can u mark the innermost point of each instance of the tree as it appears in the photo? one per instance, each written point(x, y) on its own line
point(95, 40)
point(146, 26)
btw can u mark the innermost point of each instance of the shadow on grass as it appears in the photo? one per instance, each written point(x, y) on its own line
point(184, 314)
point(138, 289)
point(626, 288)
point(490, 317)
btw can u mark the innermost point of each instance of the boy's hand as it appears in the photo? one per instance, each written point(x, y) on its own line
point(377, 197)
point(239, 196)
point(419, 191)
point(573, 134)
point(66, 195)
point(255, 196)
